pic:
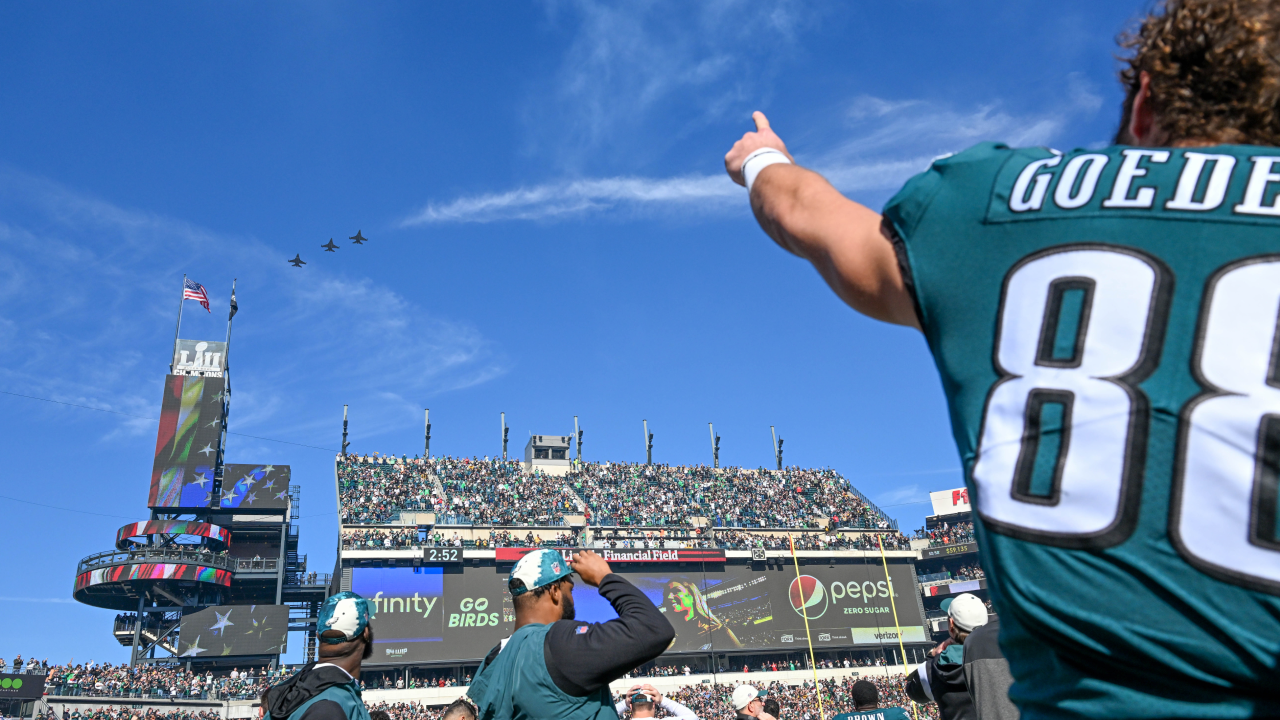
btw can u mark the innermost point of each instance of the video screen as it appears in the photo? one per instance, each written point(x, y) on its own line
point(187, 442)
point(459, 613)
point(234, 630)
point(255, 487)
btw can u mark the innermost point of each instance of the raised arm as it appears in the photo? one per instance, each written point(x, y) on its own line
point(808, 217)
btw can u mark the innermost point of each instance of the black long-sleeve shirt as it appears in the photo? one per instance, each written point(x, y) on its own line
point(583, 657)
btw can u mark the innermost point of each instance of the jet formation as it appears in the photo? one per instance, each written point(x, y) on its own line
point(358, 239)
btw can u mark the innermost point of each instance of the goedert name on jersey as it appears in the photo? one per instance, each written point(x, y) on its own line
point(1229, 185)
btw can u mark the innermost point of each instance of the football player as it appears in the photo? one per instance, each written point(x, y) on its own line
point(1105, 326)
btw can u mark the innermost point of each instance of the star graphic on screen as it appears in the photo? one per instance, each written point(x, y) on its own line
point(226, 649)
point(222, 623)
point(281, 495)
point(203, 479)
point(228, 494)
point(217, 396)
point(208, 497)
point(208, 448)
point(213, 422)
point(193, 649)
point(268, 486)
point(250, 498)
point(248, 481)
point(267, 470)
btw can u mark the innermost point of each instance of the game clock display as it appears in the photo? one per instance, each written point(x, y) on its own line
point(442, 555)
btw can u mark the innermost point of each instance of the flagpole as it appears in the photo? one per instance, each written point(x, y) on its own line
point(181, 296)
point(234, 308)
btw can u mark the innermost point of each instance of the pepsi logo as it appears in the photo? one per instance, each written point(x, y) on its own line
point(808, 597)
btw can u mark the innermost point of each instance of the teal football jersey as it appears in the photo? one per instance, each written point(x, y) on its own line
point(1105, 327)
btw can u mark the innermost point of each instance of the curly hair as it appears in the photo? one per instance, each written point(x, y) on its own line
point(1214, 68)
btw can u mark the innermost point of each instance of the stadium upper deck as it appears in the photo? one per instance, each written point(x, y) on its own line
point(382, 490)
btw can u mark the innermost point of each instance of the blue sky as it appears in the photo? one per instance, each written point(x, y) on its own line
point(552, 235)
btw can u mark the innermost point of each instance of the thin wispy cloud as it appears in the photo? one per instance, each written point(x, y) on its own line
point(628, 62)
point(88, 292)
point(880, 144)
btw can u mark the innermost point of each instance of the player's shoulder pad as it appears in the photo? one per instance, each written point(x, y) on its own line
point(909, 205)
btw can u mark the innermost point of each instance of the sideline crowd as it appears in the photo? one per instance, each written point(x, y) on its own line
point(106, 680)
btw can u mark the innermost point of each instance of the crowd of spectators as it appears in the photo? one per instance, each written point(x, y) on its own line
point(380, 538)
point(947, 534)
point(506, 538)
point(482, 491)
point(729, 497)
point(30, 667)
point(736, 539)
point(677, 537)
point(408, 710)
point(796, 701)
point(106, 680)
point(116, 712)
point(498, 492)
point(374, 489)
point(967, 572)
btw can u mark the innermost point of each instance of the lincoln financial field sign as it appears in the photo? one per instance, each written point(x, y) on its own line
point(457, 612)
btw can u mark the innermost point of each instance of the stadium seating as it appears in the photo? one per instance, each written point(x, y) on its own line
point(378, 490)
point(107, 681)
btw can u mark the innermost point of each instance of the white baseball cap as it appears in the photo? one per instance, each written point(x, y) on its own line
point(744, 694)
point(967, 612)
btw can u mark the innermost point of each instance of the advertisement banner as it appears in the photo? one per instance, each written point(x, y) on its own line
point(948, 550)
point(153, 571)
point(234, 630)
point(187, 442)
point(950, 502)
point(200, 357)
point(630, 555)
point(21, 687)
point(218, 537)
point(255, 487)
point(455, 612)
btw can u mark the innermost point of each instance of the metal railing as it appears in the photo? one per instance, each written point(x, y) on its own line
point(258, 564)
point(157, 555)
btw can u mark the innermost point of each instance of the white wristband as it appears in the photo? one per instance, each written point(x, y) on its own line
point(759, 160)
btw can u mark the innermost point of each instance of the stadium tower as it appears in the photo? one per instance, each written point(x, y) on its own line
point(214, 576)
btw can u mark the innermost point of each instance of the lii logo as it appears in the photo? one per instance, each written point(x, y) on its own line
point(11, 683)
point(808, 597)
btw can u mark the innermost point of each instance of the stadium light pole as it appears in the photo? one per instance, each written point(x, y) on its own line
point(715, 446)
point(777, 447)
point(505, 432)
point(577, 433)
point(426, 447)
point(344, 432)
point(648, 444)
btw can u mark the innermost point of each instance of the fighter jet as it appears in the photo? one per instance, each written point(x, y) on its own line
point(298, 261)
point(358, 238)
point(330, 247)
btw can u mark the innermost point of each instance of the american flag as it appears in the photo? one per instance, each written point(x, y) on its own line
point(192, 290)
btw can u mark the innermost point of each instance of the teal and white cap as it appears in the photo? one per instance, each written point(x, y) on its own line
point(538, 568)
point(346, 612)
